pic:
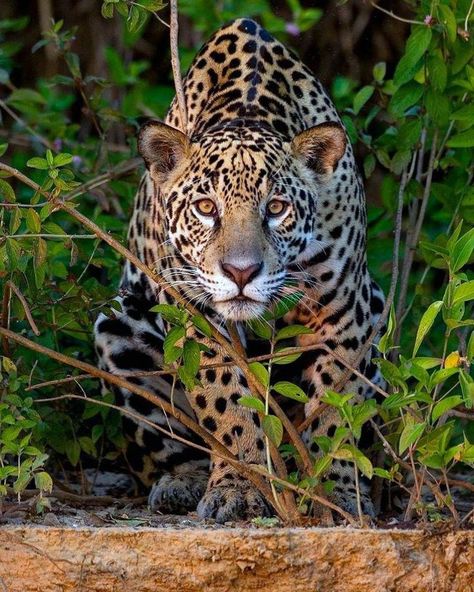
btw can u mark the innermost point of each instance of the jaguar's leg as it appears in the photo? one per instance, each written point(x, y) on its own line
point(228, 495)
point(176, 473)
point(323, 374)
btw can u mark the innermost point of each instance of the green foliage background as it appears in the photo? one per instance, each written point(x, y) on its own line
point(71, 129)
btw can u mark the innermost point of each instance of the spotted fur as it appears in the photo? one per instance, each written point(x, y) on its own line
point(262, 135)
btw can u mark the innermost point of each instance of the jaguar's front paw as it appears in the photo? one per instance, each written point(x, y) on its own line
point(178, 494)
point(232, 501)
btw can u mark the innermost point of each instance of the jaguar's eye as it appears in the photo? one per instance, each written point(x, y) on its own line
point(206, 207)
point(276, 207)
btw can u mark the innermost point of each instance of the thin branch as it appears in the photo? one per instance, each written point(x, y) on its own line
point(55, 236)
point(414, 237)
point(5, 318)
point(23, 124)
point(176, 66)
point(26, 308)
point(396, 17)
point(468, 16)
point(76, 499)
point(166, 407)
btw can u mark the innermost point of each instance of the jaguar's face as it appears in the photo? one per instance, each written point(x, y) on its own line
point(241, 207)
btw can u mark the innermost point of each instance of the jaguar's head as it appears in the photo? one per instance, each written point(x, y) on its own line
point(241, 207)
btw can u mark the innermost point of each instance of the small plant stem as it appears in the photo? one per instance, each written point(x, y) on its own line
point(5, 318)
point(24, 303)
point(267, 410)
point(24, 125)
point(359, 504)
point(413, 238)
point(396, 17)
point(55, 236)
point(175, 64)
point(468, 16)
point(117, 380)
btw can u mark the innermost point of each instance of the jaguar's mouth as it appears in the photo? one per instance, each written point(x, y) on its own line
point(240, 308)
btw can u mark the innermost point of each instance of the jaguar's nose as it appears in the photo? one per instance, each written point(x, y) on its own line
point(240, 276)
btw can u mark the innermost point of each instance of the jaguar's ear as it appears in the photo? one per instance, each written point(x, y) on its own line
point(321, 147)
point(161, 147)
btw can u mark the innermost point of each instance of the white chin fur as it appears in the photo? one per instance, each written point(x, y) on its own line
point(237, 310)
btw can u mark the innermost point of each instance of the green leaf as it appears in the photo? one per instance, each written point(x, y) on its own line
point(383, 473)
point(33, 221)
point(292, 331)
point(107, 10)
point(470, 348)
point(38, 163)
point(261, 328)
point(7, 191)
point(426, 323)
point(386, 341)
point(405, 97)
point(462, 140)
point(467, 388)
point(379, 71)
point(87, 445)
point(10, 433)
point(437, 106)
point(170, 313)
point(252, 403)
point(169, 349)
point(463, 293)
point(462, 251)
point(273, 429)
point(288, 359)
point(260, 373)
point(26, 95)
point(62, 159)
point(73, 452)
point(335, 399)
point(290, 390)
point(410, 433)
point(416, 46)
point(448, 19)
point(438, 72)
point(445, 405)
point(186, 378)
point(286, 304)
point(191, 357)
point(362, 97)
point(465, 113)
point(3, 149)
point(13, 250)
point(201, 323)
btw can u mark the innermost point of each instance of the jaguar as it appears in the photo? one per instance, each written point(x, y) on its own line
point(256, 195)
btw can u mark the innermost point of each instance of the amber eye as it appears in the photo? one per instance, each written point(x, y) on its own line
point(276, 207)
point(206, 207)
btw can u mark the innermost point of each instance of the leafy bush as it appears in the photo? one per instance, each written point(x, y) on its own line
point(413, 127)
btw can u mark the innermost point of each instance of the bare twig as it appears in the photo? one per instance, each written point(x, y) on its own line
point(176, 66)
point(5, 318)
point(414, 236)
point(117, 380)
point(468, 16)
point(26, 308)
point(76, 499)
point(396, 17)
point(24, 125)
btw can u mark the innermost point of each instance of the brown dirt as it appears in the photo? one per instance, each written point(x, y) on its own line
point(34, 558)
